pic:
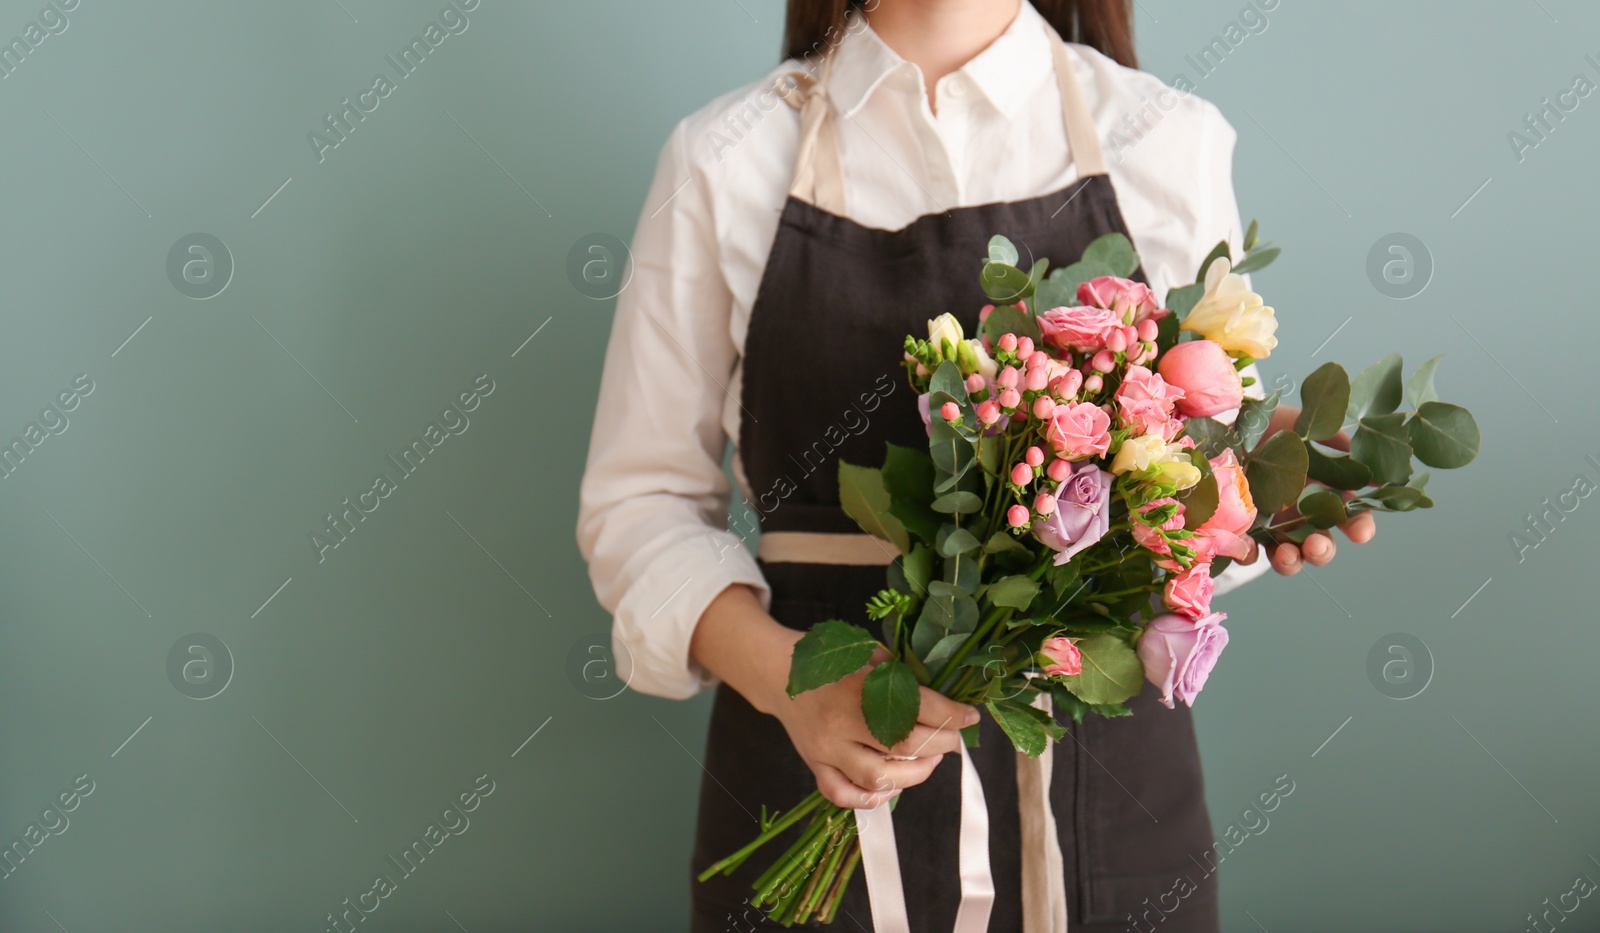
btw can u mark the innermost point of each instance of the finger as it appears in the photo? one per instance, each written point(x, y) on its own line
point(841, 792)
point(1361, 528)
point(936, 709)
point(1340, 441)
point(1318, 549)
point(1255, 552)
point(1286, 559)
point(928, 742)
point(877, 775)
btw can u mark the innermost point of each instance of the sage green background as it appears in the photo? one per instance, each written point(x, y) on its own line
point(379, 684)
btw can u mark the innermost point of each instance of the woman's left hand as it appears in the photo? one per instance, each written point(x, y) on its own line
point(1317, 550)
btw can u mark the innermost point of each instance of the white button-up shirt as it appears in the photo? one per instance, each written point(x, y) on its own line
point(653, 509)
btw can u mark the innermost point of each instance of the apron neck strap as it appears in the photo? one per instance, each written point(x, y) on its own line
point(1082, 137)
point(818, 177)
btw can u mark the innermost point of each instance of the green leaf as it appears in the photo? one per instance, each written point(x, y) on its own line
point(1377, 390)
point(1212, 437)
point(828, 652)
point(958, 503)
point(1444, 435)
point(1015, 592)
point(952, 453)
point(1001, 250)
point(944, 648)
point(1112, 672)
point(1335, 471)
point(864, 499)
point(1277, 472)
point(953, 540)
point(1029, 728)
point(969, 736)
point(1324, 396)
point(1199, 501)
point(1182, 300)
point(918, 568)
point(1257, 259)
point(1010, 319)
point(1070, 277)
point(1419, 388)
point(948, 385)
point(1004, 283)
point(1115, 253)
point(890, 697)
point(1400, 498)
point(1221, 249)
point(1051, 294)
point(1255, 416)
point(1001, 542)
point(1383, 446)
point(949, 610)
point(1323, 509)
point(1250, 235)
point(908, 477)
point(1166, 333)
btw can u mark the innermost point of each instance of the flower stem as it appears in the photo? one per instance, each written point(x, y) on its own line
point(788, 819)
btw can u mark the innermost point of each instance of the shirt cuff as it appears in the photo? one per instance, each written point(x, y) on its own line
point(655, 621)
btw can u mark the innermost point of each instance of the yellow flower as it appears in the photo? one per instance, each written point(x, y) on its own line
point(1233, 315)
point(1151, 458)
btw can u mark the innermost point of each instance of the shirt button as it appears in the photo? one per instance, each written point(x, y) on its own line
point(956, 88)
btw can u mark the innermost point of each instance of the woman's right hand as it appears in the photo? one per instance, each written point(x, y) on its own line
point(830, 733)
point(746, 648)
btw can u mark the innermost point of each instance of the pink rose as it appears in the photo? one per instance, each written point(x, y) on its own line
point(1204, 371)
point(1060, 657)
point(1179, 653)
point(1122, 296)
point(1079, 431)
point(1145, 401)
point(1228, 527)
point(1189, 593)
point(1083, 329)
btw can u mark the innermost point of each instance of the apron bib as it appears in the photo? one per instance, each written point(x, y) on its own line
point(823, 382)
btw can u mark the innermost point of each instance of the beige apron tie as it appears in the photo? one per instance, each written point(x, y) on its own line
point(819, 180)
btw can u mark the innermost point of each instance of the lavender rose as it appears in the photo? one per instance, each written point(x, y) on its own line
point(1179, 653)
point(1082, 515)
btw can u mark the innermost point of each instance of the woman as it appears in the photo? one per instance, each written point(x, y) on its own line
point(782, 255)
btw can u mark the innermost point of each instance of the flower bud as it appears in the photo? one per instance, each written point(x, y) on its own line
point(1043, 407)
point(1008, 378)
point(1038, 377)
point(1067, 386)
point(951, 411)
point(1093, 383)
point(1045, 504)
point(975, 383)
point(1010, 398)
point(988, 412)
point(1022, 474)
point(1024, 346)
point(983, 313)
point(1104, 361)
point(1017, 516)
point(1148, 330)
point(1008, 342)
point(1033, 456)
point(1058, 471)
point(1116, 341)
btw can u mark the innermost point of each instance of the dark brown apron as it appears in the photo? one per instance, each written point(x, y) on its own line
point(822, 383)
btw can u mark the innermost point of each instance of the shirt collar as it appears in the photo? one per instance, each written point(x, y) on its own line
point(1005, 72)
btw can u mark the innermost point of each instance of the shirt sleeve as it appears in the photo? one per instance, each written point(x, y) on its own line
point(1219, 219)
point(652, 515)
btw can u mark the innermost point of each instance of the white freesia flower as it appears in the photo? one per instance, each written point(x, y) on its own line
point(1233, 315)
point(945, 327)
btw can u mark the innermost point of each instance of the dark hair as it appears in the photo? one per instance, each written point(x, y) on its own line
point(811, 27)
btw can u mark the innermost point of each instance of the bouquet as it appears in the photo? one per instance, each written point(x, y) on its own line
point(1079, 492)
